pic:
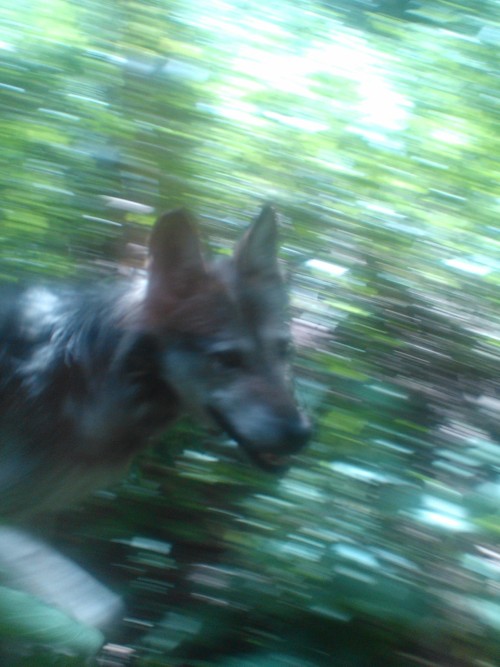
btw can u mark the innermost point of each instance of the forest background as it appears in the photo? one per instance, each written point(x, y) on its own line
point(374, 129)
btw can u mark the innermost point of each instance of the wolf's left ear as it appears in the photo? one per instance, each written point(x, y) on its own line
point(257, 251)
point(175, 253)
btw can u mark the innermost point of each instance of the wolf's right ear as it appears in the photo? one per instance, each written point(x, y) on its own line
point(256, 253)
point(176, 260)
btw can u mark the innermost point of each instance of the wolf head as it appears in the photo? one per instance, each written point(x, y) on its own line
point(225, 350)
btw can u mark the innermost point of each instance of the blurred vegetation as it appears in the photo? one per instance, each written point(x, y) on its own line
point(374, 128)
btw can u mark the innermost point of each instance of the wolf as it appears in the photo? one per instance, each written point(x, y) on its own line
point(88, 377)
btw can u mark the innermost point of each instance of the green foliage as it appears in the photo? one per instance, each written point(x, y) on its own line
point(37, 627)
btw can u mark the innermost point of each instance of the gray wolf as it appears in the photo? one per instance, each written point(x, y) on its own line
point(89, 376)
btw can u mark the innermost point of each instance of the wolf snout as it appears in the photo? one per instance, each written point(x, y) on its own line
point(269, 440)
point(288, 437)
point(297, 434)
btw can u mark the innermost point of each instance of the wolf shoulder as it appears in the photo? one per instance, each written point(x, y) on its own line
point(72, 410)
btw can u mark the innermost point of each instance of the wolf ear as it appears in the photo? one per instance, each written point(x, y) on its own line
point(175, 254)
point(257, 251)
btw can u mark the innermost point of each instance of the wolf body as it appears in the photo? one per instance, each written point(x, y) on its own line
point(88, 377)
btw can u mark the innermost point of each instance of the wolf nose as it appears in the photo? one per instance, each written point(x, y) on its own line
point(298, 434)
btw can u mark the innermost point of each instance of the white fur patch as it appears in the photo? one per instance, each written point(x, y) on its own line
point(40, 310)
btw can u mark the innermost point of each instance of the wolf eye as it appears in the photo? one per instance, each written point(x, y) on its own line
point(228, 359)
